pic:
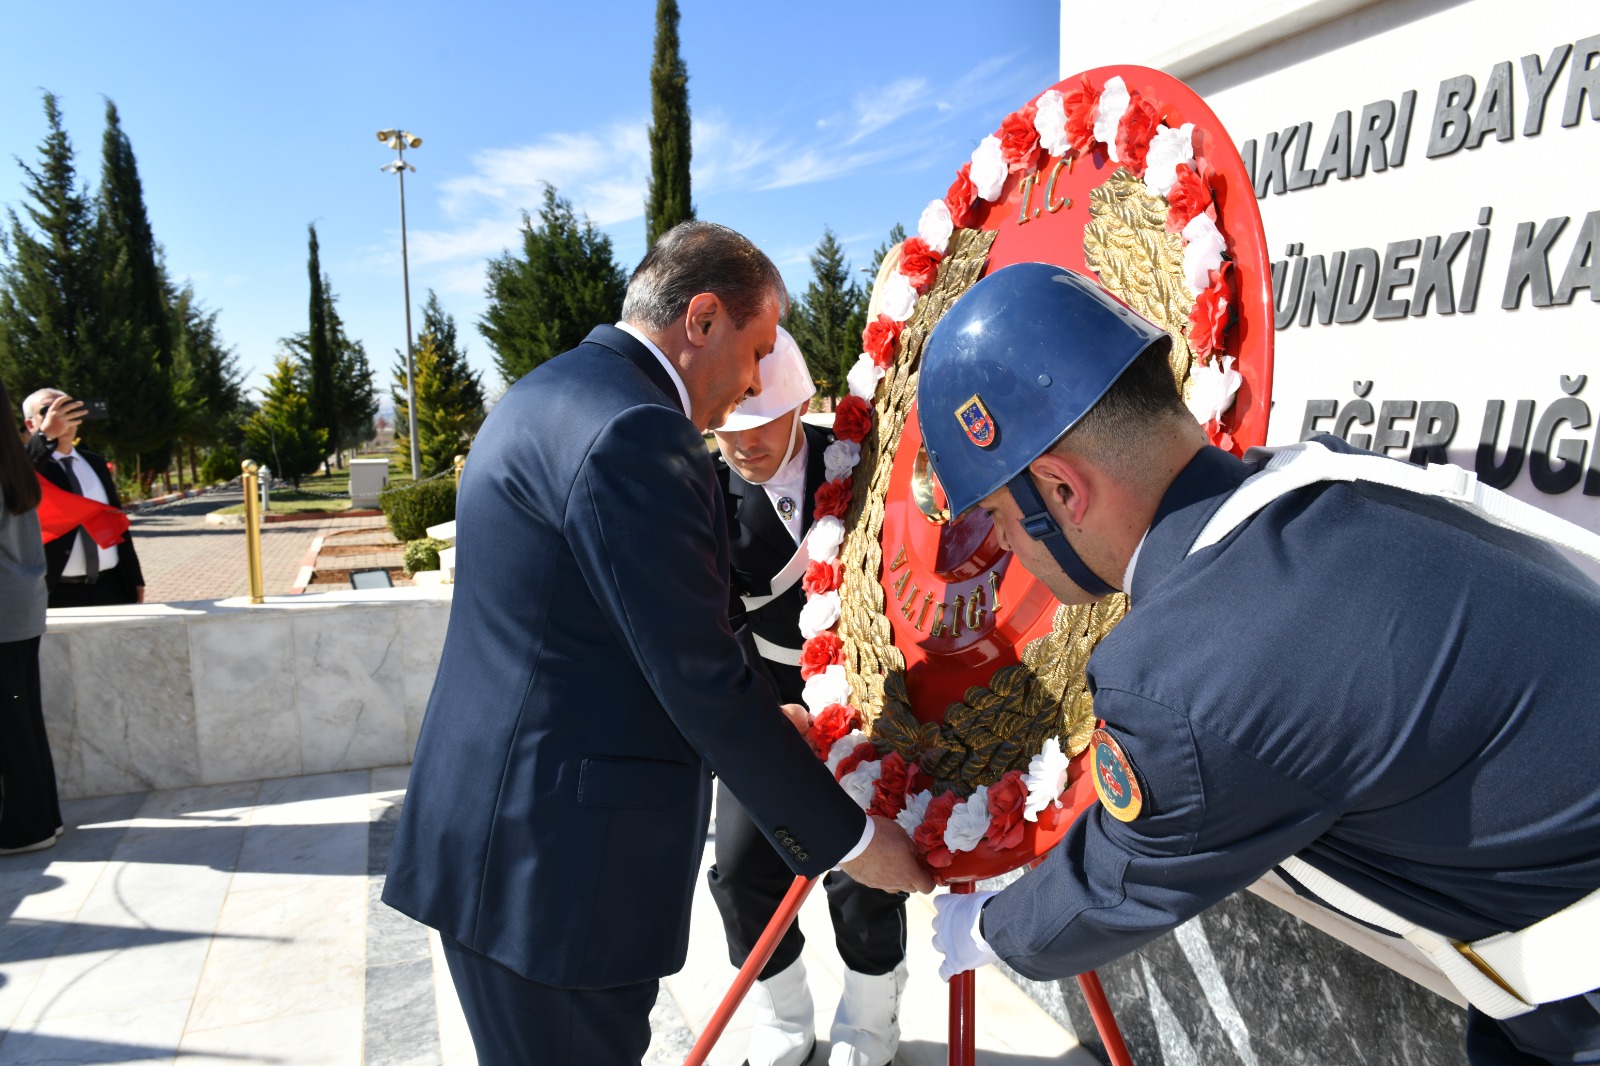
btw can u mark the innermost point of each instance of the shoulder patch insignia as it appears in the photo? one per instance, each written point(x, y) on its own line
point(975, 420)
point(1114, 779)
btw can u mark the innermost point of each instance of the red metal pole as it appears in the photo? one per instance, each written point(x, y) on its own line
point(1104, 1020)
point(963, 1007)
point(782, 919)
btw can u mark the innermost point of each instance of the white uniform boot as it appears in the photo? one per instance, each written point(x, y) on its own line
point(866, 1027)
point(783, 1032)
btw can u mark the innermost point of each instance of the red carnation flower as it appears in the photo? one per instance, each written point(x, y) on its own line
point(820, 652)
point(1189, 197)
point(878, 340)
point(890, 797)
point(1019, 139)
point(919, 263)
point(962, 195)
point(929, 836)
point(1211, 315)
point(852, 419)
point(822, 576)
point(833, 498)
point(1138, 125)
point(863, 752)
point(835, 721)
point(1081, 104)
point(1007, 798)
point(917, 780)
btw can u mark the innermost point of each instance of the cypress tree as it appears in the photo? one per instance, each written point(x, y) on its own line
point(668, 203)
point(546, 302)
point(47, 276)
point(134, 339)
point(320, 356)
point(827, 320)
point(349, 394)
point(449, 367)
point(281, 433)
point(206, 380)
point(449, 416)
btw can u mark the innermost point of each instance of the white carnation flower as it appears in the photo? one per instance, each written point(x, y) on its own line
point(935, 226)
point(822, 543)
point(989, 170)
point(1051, 122)
point(1169, 149)
point(916, 810)
point(819, 614)
point(844, 746)
point(1114, 100)
point(968, 821)
point(899, 299)
point(862, 783)
point(1202, 251)
point(1212, 388)
point(830, 686)
point(1046, 779)
point(864, 377)
point(839, 459)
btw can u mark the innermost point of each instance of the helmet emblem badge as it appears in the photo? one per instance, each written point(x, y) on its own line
point(975, 420)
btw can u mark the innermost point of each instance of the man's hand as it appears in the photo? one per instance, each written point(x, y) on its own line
point(62, 420)
point(890, 862)
point(956, 936)
point(138, 594)
point(799, 716)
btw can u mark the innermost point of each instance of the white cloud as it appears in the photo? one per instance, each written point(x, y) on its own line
point(882, 107)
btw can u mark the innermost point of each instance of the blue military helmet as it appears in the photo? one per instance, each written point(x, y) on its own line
point(1013, 364)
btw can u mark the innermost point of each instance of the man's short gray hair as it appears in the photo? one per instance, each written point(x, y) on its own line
point(37, 399)
point(695, 257)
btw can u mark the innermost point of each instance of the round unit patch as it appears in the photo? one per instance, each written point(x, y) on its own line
point(1113, 777)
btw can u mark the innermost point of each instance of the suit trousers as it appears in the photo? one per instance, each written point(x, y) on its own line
point(749, 880)
point(518, 1022)
point(111, 590)
point(29, 808)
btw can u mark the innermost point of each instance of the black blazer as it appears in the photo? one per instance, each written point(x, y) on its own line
point(760, 546)
point(589, 685)
point(42, 453)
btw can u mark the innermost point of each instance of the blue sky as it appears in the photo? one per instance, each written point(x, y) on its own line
point(249, 121)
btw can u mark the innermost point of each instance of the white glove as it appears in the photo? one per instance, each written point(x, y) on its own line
point(956, 935)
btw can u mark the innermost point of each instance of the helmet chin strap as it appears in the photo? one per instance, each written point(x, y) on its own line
point(794, 437)
point(1042, 527)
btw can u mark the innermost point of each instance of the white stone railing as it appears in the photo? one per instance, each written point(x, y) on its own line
point(176, 694)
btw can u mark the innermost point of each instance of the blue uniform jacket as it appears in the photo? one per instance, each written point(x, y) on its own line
point(1388, 686)
point(589, 685)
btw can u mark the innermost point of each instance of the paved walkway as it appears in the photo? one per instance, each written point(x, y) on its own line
point(185, 559)
point(241, 924)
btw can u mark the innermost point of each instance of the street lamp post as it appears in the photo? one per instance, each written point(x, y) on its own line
point(400, 140)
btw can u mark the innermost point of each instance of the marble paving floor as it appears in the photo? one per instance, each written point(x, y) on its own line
point(241, 924)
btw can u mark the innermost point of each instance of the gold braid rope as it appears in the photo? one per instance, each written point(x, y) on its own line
point(999, 727)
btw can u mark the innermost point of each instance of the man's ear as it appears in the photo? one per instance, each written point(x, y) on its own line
point(1063, 482)
point(701, 316)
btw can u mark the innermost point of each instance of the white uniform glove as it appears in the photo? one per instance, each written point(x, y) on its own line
point(956, 935)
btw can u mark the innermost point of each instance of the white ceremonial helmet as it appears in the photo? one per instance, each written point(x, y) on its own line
point(785, 385)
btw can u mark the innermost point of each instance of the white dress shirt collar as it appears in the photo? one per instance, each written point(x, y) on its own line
point(672, 371)
point(1133, 561)
point(790, 482)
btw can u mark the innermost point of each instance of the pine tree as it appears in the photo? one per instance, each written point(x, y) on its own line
point(48, 277)
point(449, 416)
point(451, 368)
point(134, 340)
point(668, 203)
point(546, 302)
point(282, 433)
point(206, 380)
point(827, 321)
point(320, 355)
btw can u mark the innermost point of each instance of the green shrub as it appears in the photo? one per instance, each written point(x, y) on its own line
point(424, 554)
point(413, 508)
point(221, 465)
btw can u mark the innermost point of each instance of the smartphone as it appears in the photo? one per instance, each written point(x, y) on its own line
point(95, 410)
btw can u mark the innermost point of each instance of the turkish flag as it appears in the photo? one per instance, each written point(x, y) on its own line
point(60, 512)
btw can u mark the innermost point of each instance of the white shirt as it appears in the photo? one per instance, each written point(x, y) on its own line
point(1133, 560)
point(91, 489)
point(790, 483)
point(672, 371)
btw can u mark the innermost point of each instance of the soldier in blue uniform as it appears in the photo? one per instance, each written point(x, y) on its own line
point(770, 466)
point(1326, 668)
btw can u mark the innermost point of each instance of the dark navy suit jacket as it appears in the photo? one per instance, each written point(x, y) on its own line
point(1386, 685)
point(589, 686)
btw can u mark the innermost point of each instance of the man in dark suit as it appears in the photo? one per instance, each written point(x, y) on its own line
point(78, 571)
point(590, 682)
point(770, 465)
